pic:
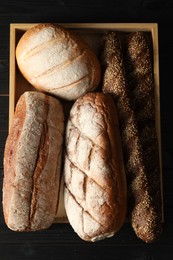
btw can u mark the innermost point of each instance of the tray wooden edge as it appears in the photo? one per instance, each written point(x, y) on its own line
point(124, 27)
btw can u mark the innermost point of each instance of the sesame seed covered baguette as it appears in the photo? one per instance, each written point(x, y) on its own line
point(141, 90)
point(140, 83)
point(142, 209)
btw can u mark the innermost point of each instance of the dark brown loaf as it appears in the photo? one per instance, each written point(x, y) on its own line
point(55, 60)
point(139, 67)
point(142, 206)
point(95, 183)
point(32, 163)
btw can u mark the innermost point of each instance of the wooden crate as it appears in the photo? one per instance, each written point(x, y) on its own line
point(91, 32)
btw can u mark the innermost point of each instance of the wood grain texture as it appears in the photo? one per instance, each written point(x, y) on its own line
point(60, 240)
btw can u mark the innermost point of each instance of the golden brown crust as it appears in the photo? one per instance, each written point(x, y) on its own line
point(143, 210)
point(9, 158)
point(32, 163)
point(95, 183)
point(55, 60)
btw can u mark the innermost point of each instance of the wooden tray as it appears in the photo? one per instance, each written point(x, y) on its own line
point(91, 32)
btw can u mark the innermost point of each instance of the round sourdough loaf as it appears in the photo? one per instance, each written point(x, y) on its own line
point(57, 61)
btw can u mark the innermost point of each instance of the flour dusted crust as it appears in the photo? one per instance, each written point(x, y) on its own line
point(57, 61)
point(95, 184)
point(32, 163)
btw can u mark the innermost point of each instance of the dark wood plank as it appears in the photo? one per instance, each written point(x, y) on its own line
point(4, 82)
point(3, 125)
point(78, 11)
point(3, 136)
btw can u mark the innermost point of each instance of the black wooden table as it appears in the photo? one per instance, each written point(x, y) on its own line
point(59, 241)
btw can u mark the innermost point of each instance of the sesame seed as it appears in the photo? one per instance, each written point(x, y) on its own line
point(131, 84)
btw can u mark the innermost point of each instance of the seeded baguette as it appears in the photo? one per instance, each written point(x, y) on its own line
point(142, 208)
point(141, 90)
point(32, 163)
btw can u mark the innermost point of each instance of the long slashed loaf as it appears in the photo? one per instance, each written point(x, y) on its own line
point(95, 183)
point(32, 163)
point(57, 61)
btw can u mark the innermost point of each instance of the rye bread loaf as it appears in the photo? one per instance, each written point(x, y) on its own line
point(57, 61)
point(95, 183)
point(32, 163)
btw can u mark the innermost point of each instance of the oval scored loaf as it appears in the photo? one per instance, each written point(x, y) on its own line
point(95, 184)
point(32, 163)
point(57, 61)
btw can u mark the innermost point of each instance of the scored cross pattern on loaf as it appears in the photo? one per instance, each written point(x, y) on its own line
point(90, 179)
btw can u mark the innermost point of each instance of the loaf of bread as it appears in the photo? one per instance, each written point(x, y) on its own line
point(143, 209)
point(57, 61)
point(32, 163)
point(139, 69)
point(95, 182)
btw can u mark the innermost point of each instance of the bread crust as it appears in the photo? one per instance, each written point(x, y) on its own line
point(95, 184)
point(32, 163)
point(142, 95)
point(144, 210)
point(57, 61)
